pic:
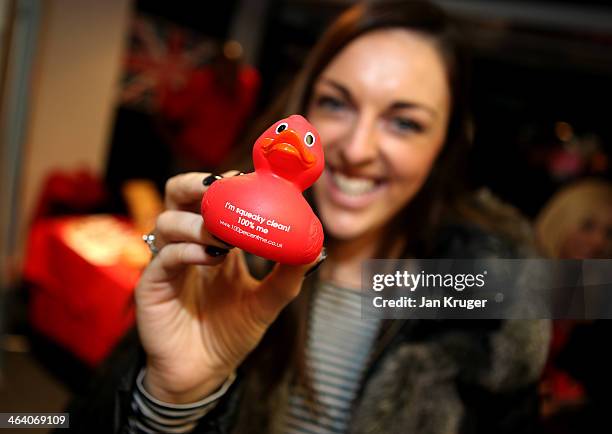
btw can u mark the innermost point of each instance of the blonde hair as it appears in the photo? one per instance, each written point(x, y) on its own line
point(566, 210)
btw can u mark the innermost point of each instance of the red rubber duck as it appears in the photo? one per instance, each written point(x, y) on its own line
point(264, 212)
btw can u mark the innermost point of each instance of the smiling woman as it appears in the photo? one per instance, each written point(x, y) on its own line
point(382, 109)
point(224, 352)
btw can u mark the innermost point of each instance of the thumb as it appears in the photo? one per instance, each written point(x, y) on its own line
point(282, 285)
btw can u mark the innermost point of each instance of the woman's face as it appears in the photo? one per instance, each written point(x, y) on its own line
point(381, 108)
point(592, 239)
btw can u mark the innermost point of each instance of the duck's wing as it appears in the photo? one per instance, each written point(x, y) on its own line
point(314, 243)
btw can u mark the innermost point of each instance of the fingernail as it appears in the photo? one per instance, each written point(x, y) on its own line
point(215, 251)
point(210, 179)
point(229, 246)
point(314, 268)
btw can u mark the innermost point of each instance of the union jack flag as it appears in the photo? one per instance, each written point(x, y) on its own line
point(160, 58)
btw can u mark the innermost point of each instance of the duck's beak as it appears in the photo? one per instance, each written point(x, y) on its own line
point(288, 146)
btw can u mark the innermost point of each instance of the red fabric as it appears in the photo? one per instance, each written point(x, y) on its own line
point(82, 306)
point(560, 385)
point(208, 118)
point(77, 191)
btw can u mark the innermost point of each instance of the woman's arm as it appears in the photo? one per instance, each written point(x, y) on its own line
point(152, 415)
point(108, 406)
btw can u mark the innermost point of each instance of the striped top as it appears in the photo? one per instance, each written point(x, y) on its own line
point(338, 346)
point(150, 415)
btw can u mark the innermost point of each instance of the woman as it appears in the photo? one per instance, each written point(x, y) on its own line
point(224, 352)
point(576, 223)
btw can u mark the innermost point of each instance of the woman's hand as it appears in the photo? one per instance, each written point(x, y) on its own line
point(199, 311)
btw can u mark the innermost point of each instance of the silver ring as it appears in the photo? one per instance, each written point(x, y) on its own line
point(149, 239)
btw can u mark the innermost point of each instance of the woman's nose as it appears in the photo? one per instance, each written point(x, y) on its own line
point(361, 145)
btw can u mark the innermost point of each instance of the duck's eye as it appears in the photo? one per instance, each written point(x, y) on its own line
point(281, 127)
point(309, 139)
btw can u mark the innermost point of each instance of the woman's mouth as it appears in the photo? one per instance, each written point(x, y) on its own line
point(352, 191)
point(353, 186)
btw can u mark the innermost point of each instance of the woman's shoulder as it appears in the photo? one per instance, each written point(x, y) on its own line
point(484, 227)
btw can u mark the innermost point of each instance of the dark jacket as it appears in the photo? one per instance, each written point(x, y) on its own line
point(426, 376)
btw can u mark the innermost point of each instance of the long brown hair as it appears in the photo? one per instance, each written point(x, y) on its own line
point(282, 350)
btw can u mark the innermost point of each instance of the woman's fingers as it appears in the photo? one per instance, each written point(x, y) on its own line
point(230, 173)
point(173, 258)
point(183, 226)
point(185, 191)
point(281, 286)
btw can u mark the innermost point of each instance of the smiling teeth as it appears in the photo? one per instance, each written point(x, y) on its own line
point(353, 186)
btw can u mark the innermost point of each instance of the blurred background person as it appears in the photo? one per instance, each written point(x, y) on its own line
point(576, 223)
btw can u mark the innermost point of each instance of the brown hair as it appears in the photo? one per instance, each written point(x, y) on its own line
point(282, 349)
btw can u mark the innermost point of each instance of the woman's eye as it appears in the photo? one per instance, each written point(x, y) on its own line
point(330, 103)
point(406, 125)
